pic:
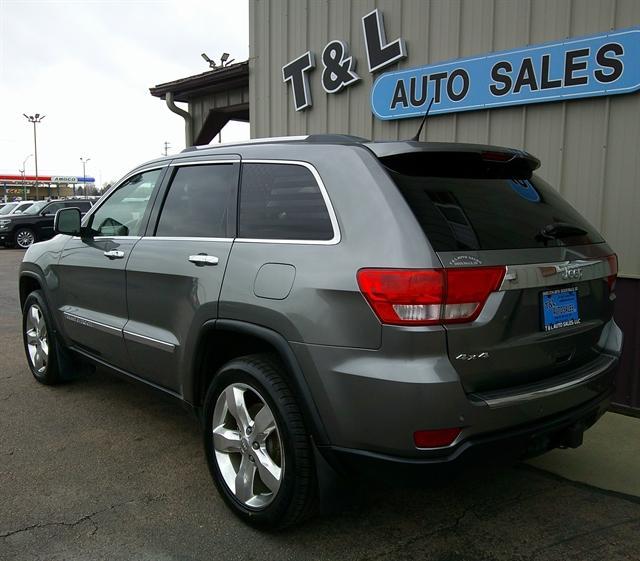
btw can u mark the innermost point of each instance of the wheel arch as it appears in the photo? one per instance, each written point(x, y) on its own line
point(238, 338)
point(28, 282)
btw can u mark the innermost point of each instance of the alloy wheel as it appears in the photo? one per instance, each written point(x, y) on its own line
point(248, 446)
point(25, 238)
point(37, 339)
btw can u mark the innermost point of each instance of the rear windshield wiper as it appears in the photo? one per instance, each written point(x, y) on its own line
point(557, 230)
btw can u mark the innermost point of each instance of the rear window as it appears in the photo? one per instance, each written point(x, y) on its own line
point(282, 202)
point(491, 212)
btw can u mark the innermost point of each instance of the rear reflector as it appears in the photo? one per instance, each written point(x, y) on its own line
point(428, 296)
point(435, 438)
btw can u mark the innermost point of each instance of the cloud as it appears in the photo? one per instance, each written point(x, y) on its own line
point(88, 66)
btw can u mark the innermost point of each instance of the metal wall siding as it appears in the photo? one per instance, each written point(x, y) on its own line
point(589, 148)
point(318, 35)
point(360, 117)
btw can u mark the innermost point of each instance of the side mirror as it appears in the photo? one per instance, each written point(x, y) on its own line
point(67, 221)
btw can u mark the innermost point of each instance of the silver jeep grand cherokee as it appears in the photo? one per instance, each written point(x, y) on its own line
point(327, 300)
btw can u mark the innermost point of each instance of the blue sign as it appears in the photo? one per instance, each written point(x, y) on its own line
point(604, 64)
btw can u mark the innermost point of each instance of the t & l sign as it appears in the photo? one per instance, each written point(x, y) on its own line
point(596, 65)
point(338, 67)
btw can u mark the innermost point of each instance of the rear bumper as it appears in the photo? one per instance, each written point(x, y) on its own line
point(531, 439)
point(372, 401)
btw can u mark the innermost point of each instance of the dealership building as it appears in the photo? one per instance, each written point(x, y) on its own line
point(557, 78)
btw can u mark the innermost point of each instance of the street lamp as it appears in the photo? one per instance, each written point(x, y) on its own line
point(35, 119)
point(22, 171)
point(84, 174)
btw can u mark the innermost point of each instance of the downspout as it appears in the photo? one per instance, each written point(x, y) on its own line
point(184, 114)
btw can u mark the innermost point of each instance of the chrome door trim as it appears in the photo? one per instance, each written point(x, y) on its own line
point(123, 238)
point(150, 341)
point(202, 162)
point(92, 323)
point(540, 275)
point(325, 196)
point(185, 239)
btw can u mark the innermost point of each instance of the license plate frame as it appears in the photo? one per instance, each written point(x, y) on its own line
point(559, 308)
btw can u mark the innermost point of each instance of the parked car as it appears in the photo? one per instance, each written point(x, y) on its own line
point(20, 207)
point(330, 301)
point(6, 208)
point(35, 223)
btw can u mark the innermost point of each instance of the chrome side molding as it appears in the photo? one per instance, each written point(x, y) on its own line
point(150, 341)
point(91, 323)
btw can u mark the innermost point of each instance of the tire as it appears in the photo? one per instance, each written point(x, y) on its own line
point(44, 360)
point(262, 500)
point(24, 238)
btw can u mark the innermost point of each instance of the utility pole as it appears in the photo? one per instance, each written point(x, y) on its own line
point(84, 174)
point(22, 171)
point(35, 119)
point(166, 147)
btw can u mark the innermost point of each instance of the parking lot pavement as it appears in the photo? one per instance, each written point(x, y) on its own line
point(104, 469)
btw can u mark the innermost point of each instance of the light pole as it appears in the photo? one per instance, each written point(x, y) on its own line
point(22, 171)
point(35, 119)
point(84, 174)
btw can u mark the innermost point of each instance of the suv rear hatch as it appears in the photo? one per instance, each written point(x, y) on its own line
point(550, 275)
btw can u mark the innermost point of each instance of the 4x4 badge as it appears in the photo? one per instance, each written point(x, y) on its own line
point(465, 356)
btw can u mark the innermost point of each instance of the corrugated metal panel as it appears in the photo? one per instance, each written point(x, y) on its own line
point(588, 147)
point(628, 382)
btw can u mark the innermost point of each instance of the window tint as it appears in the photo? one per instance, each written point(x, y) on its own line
point(199, 201)
point(121, 214)
point(282, 201)
point(53, 208)
point(22, 207)
point(491, 213)
point(84, 206)
point(35, 208)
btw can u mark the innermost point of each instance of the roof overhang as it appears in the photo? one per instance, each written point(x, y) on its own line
point(217, 80)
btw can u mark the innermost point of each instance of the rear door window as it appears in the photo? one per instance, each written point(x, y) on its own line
point(484, 213)
point(282, 202)
point(200, 202)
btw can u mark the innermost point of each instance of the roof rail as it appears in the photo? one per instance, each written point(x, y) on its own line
point(249, 141)
point(315, 138)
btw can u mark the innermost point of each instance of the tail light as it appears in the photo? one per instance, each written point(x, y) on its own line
point(428, 296)
point(613, 272)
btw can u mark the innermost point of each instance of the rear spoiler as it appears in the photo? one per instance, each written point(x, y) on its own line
point(443, 159)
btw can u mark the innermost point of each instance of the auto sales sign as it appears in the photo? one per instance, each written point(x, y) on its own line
point(603, 64)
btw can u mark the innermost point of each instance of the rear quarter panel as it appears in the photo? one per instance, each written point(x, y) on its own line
point(325, 306)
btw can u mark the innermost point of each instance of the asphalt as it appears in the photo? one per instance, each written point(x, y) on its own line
point(104, 469)
point(608, 459)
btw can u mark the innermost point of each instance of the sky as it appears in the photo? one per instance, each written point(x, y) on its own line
point(88, 66)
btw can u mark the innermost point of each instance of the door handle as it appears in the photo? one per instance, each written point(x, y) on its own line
point(114, 254)
point(202, 259)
